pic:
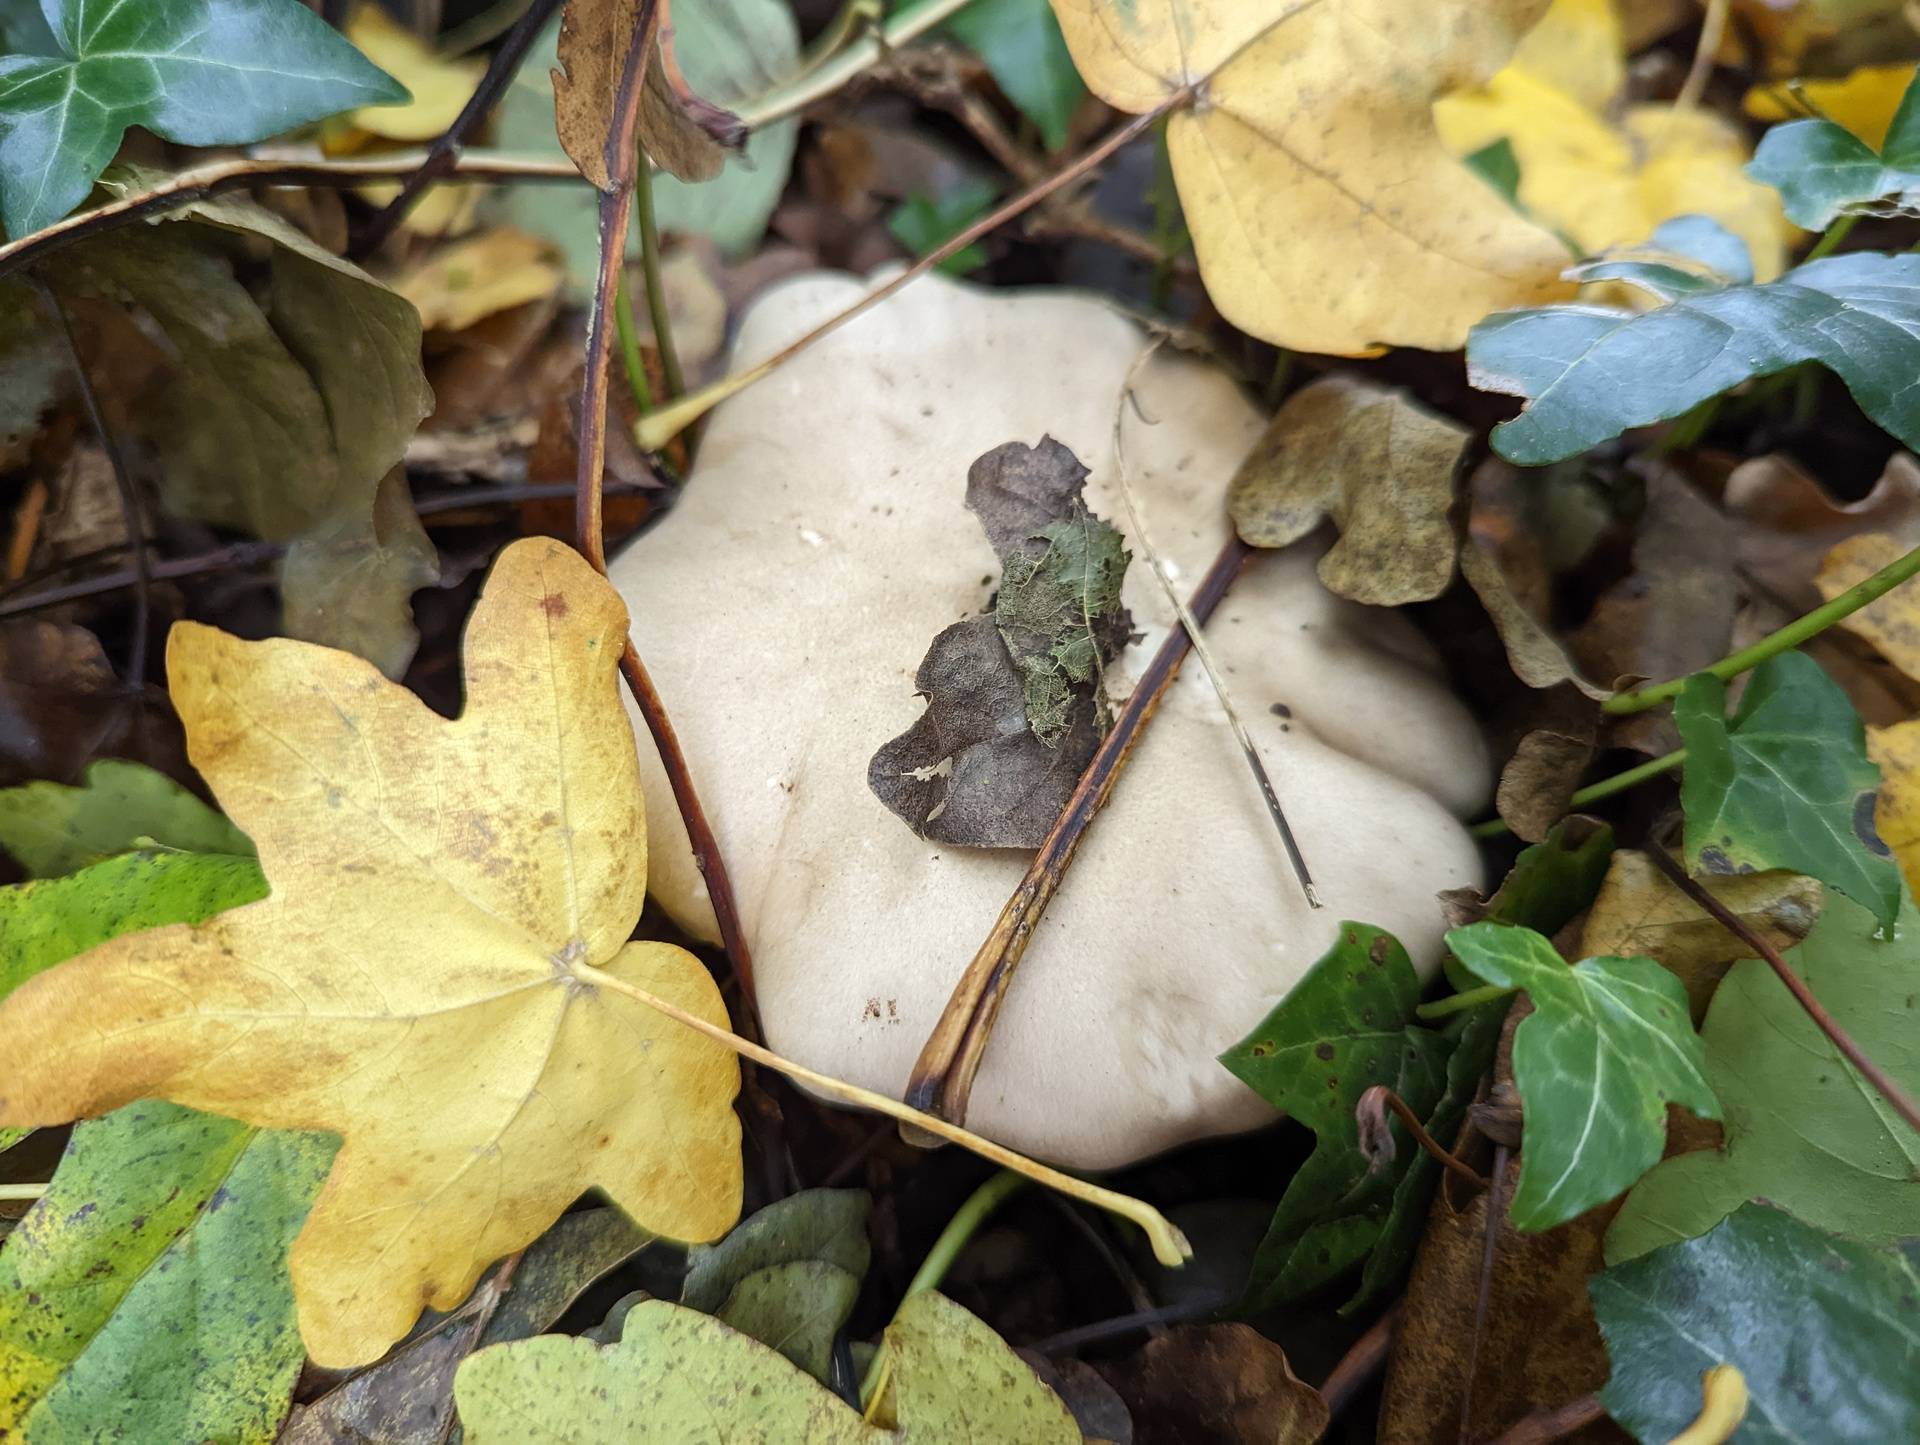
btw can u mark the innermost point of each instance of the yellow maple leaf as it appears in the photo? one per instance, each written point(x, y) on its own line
point(1896, 812)
point(424, 979)
point(1862, 101)
point(1609, 183)
point(1326, 214)
point(440, 86)
point(468, 282)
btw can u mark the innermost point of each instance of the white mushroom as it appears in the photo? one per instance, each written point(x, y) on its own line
point(784, 605)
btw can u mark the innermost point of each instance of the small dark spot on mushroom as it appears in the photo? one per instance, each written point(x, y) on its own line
point(1280, 709)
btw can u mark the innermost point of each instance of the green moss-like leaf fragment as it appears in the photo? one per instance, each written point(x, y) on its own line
point(1060, 615)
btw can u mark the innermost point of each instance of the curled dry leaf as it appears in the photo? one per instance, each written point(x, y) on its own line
point(1221, 1384)
point(411, 982)
point(1538, 782)
point(1016, 699)
point(1326, 213)
point(1378, 466)
point(1788, 522)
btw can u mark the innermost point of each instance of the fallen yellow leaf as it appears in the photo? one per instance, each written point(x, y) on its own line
point(432, 977)
point(440, 87)
point(1863, 101)
point(468, 282)
point(1891, 624)
point(1326, 214)
point(1896, 813)
point(1605, 184)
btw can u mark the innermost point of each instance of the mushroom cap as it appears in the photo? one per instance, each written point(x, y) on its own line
point(783, 606)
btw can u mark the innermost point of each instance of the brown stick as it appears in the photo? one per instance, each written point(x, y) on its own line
point(1543, 1427)
point(622, 156)
point(942, 1077)
point(205, 182)
point(1366, 1358)
point(1887, 1086)
point(1489, 1252)
point(446, 149)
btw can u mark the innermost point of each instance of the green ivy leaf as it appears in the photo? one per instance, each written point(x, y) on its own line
point(146, 1296)
point(1803, 1129)
point(51, 828)
point(1823, 170)
point(1821, 1328)
point(1608, 1046)
point(1590, 373)
point(1784, 783)
point(1343, 1029)
point(1021, 43)
point(787, 1277)
point(200, 72)
point(925, 223)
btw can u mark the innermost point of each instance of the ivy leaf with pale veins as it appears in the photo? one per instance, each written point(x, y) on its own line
point(1803, 1129)
point(1381, 468)
point(1016, 705)
point(200, 72)
point(678, 1377)
point(1784, 783)
point(1823, 170)
point(1345, 1028)
point(1589, 373)
point(422, 978)
point(1820, 1327)
point(1608, 1046)
point(787, 1277)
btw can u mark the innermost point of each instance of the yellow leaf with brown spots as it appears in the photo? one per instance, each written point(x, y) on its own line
point(1892, 623)
point(1326, 214)
point(420, 979)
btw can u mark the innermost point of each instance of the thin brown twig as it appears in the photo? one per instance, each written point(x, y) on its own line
point(205, 182)
point(1884, 1083)
point(1543, 1427)
point(622, 156)
point(1483, 1298)
point(1426, 1141)
point(1366, 1358)
point(446, 148)
point(942, 1076)
point(131, 516)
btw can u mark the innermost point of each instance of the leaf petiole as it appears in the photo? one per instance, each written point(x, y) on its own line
point(1460, 1002)
point(1170, 1246)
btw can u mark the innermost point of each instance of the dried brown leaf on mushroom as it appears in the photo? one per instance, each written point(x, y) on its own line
point(1376, 465)
point(1016, 698)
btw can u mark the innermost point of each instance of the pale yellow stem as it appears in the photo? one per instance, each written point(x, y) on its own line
point(1170, 1246)
point(1724, 1391)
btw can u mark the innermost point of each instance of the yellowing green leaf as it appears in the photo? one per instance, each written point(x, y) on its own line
point(678, 1377)
point(52, 828)
point(419, 980)
point(1863, 101)
point(1606, 184)
point(1325, 211)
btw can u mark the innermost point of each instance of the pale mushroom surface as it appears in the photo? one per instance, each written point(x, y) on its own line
point(784, 604)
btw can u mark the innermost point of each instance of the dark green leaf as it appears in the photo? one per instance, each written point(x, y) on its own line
point(558, 1267)
point(923, 224)
point(1803, 1129)
point(51, 828)
point(1343, 1029)
point(200, 72)
point(1823, 170)
point(1687, 256)
point(1821, 1328)
point(1021, 43)
point(1590, 373)
point(788, 1276)
point(1784, 783)
point(1499, 167)
point(1608, 1046)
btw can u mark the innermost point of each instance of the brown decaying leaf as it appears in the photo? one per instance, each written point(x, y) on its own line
point(1375, 464)
point(1540, 1343)
point(61, 707)
point(419, 979)
point(1218, 1385)
point(971, 771)
point(1788, 522)
point(679, 131)
point(1538, 782)
point(1639, 911)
